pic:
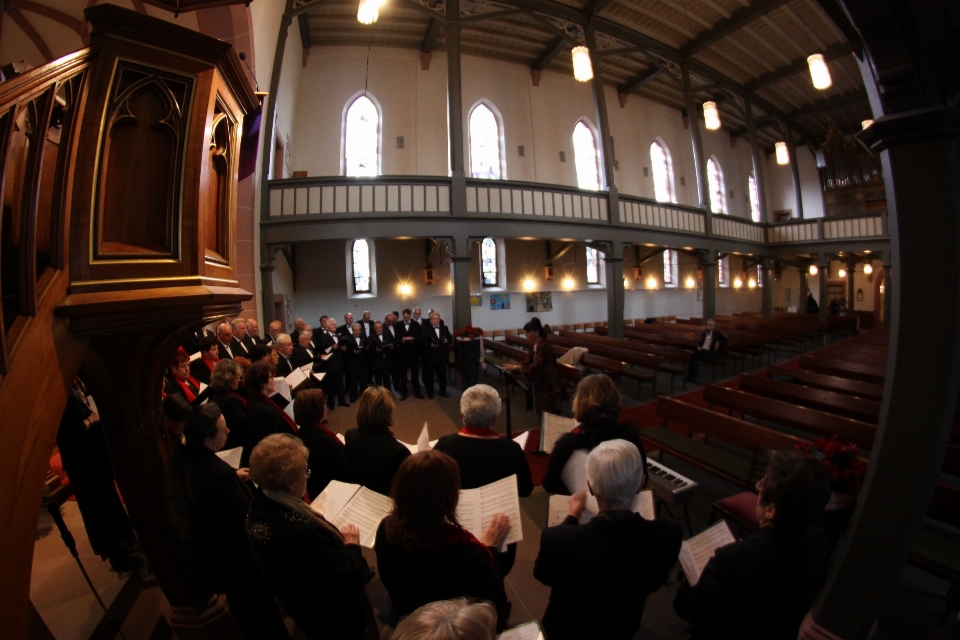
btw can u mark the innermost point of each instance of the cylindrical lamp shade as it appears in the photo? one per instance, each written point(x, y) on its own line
point(369, 11)
point(783, 155)
point(819, 71)
point(866, 123)
point(868, 268)
point(711, 117)
point(813, 270)
point(582, 67)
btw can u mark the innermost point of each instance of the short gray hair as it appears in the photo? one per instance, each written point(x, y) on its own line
point(278, 461)
point(615, 471)
point(236, 323)
point(306, 333)
point(225, 372)
point(457, 619)
point(480, 405)
point(283, 339)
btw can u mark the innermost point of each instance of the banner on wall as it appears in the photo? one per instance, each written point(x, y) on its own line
point(540, 301)
point(499, 301)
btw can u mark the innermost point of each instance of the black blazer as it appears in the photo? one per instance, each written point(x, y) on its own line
point(758, 588)
point(601, 573)
point(379, 346)
point(402, 332)
point(435, 350)
point(355, 356)
point(367, 327)
point(263, 418)
point(222, 352)
point(235, 415)
point(191, 344)
point(240, 349)
point(374, 458)
point(285, 365)
point(438, 572)
point(483, 461)
point(327, 461)
point(318, 579)
point(718, 342)
point(301, 356)
point(200, 370)
point(586, 436)
point(345, 331)
point(337, 348)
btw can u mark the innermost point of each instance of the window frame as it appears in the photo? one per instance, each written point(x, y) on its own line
point(371, 258)
point(343, 132)
point(601, 259)
point(496, 264)
point(668, 166)
point(501, 142)
point(596, 154)
point(671, 266)
point(723, 273)
point(721, 185)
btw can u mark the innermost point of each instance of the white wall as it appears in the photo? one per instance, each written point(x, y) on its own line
point(779, 185)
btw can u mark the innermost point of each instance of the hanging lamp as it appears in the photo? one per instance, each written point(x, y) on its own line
point(582, 67)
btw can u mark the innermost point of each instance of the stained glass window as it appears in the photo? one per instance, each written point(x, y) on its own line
point(361, 266)
point(754, 199)
point(594, 264)
point(662, 173)
point(488, 262)
point(362, 139)
point(669, 268)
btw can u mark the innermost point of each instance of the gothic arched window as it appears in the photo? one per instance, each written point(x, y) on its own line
point(361, 266)
point(718, 201)
point(585, 156)
point(662, 173)
point(485, 155)
point(362, 139)
point(488, 263)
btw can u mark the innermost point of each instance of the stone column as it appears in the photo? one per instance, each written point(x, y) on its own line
point(921, 170)
point(822, 265)
point(458, 185)
point(460, 277)
point(709, 267)
point(699, 160)
point(606, 138)
point(851, 287)
point(766, 291)
point(266, 283)
point(613, 261)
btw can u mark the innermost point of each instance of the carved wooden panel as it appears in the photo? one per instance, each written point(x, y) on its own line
point(139, 182)
point(217, 185)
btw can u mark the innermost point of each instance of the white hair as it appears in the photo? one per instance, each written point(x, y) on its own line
point(306, 333)
point(236, 322)
point(283, 340)
point(480, 405)
point(615, 471)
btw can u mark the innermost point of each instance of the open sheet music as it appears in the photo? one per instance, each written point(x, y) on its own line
point(526, 631)
point(477, 507)
point(343, 503)
point(423, 441)
point(560, 507)
point(551, 428)
point(522, 439)
point(696, 552)
point(231, 456)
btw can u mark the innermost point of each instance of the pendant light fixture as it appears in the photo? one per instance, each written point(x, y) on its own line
point(711, 117)
point(819, 71)
point(783, 155)
point(582, 67)
point(369, 11)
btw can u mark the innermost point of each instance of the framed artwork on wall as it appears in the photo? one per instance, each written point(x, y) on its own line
point(499, 301)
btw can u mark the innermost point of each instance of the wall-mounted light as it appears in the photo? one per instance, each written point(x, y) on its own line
point(783, 154)
point(568, 283)
point(689, 283)
point(528, 284)
point(737, 282)
point(711, 117)
point(819, 72)
point(405, 289)
point(866, 123)
point(651, 283)
point(582, 67)
point(813, 270)
point(842, 273)
point(868, 268)
point(882, 289)
point(752, 283)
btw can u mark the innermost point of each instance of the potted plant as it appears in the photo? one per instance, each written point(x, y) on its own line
point(468, 342)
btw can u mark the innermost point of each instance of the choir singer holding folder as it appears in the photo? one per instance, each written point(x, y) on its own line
point(601, 573)
point(317, 572)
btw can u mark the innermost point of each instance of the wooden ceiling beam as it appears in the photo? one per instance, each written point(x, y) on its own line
point(430, 35)
point(637, 81)
point(798, 66)
point(549, 53)
point(730, 25)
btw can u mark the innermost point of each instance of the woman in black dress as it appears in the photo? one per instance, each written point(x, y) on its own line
point(373, 452)
point(596, 406)
point(218, 499)
point(423, 554)
point(317, 572)
point(264, 416)
point(202, 367)
point(328, 455)
point(225, 392)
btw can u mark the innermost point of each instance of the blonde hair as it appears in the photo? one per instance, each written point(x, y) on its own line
point(376, 409)
point(449, 620)
point(597, 398)
point(278, 461)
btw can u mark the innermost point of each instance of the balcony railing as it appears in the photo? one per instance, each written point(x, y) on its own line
point(339, 197)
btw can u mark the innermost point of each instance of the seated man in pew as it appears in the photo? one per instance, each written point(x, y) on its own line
point(709, 347)
point(762, 586)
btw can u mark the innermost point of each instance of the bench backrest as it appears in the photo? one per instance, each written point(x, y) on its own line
point(866, 390)
point(620, 353)
point(856, 371)
point(739, 433)
point(506, 351)
point(600, 363)
point(829, 401)
point(791, 415)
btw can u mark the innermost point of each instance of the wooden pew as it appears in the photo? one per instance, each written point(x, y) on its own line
point(674, 362)
point(865, 390)
point(816, 423)
point(829, 401)
point(609, 366)
point(852, 370)
point(756, 441)
point(849, 355)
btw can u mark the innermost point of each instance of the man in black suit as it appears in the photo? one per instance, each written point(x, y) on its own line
point(241, 344)
point(367, 323)
point(346, 329)
point(415, 316)
point(253, 332)
point(284, 347)
point(356, 362)
point(304, 353)
point(191, 344)
point(435, 340)
point(298, 326)
point(380, 346)
point(273, 330)
point(710, 347)
point(408, 338)
point(601, 572)
point(330, 344)
point(224, 340)
point(391, 370)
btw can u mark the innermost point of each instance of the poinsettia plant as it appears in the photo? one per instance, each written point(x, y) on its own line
point(841, 461)
point(469, 332)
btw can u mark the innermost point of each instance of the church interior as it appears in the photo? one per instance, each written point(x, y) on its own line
point(597, 179)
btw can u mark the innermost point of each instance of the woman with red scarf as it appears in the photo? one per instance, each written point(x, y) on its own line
point(328, 454)
point(264, 416)
point(180, 381)
point(482, 455)
point(202, 367)
point(423, 554)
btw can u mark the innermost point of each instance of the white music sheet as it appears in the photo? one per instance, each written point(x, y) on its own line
point(696, 552)
point(477, 507)
point(551, 428)
point(560, 506)
point(527, 631)
point(231, 456)
point(522, 439)
point(343, 503)
point(280, 384)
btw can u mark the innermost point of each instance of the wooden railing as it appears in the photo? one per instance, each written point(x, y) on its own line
point(360, 197)
point(504, 197)
point(865, 225)
point(661, 215)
